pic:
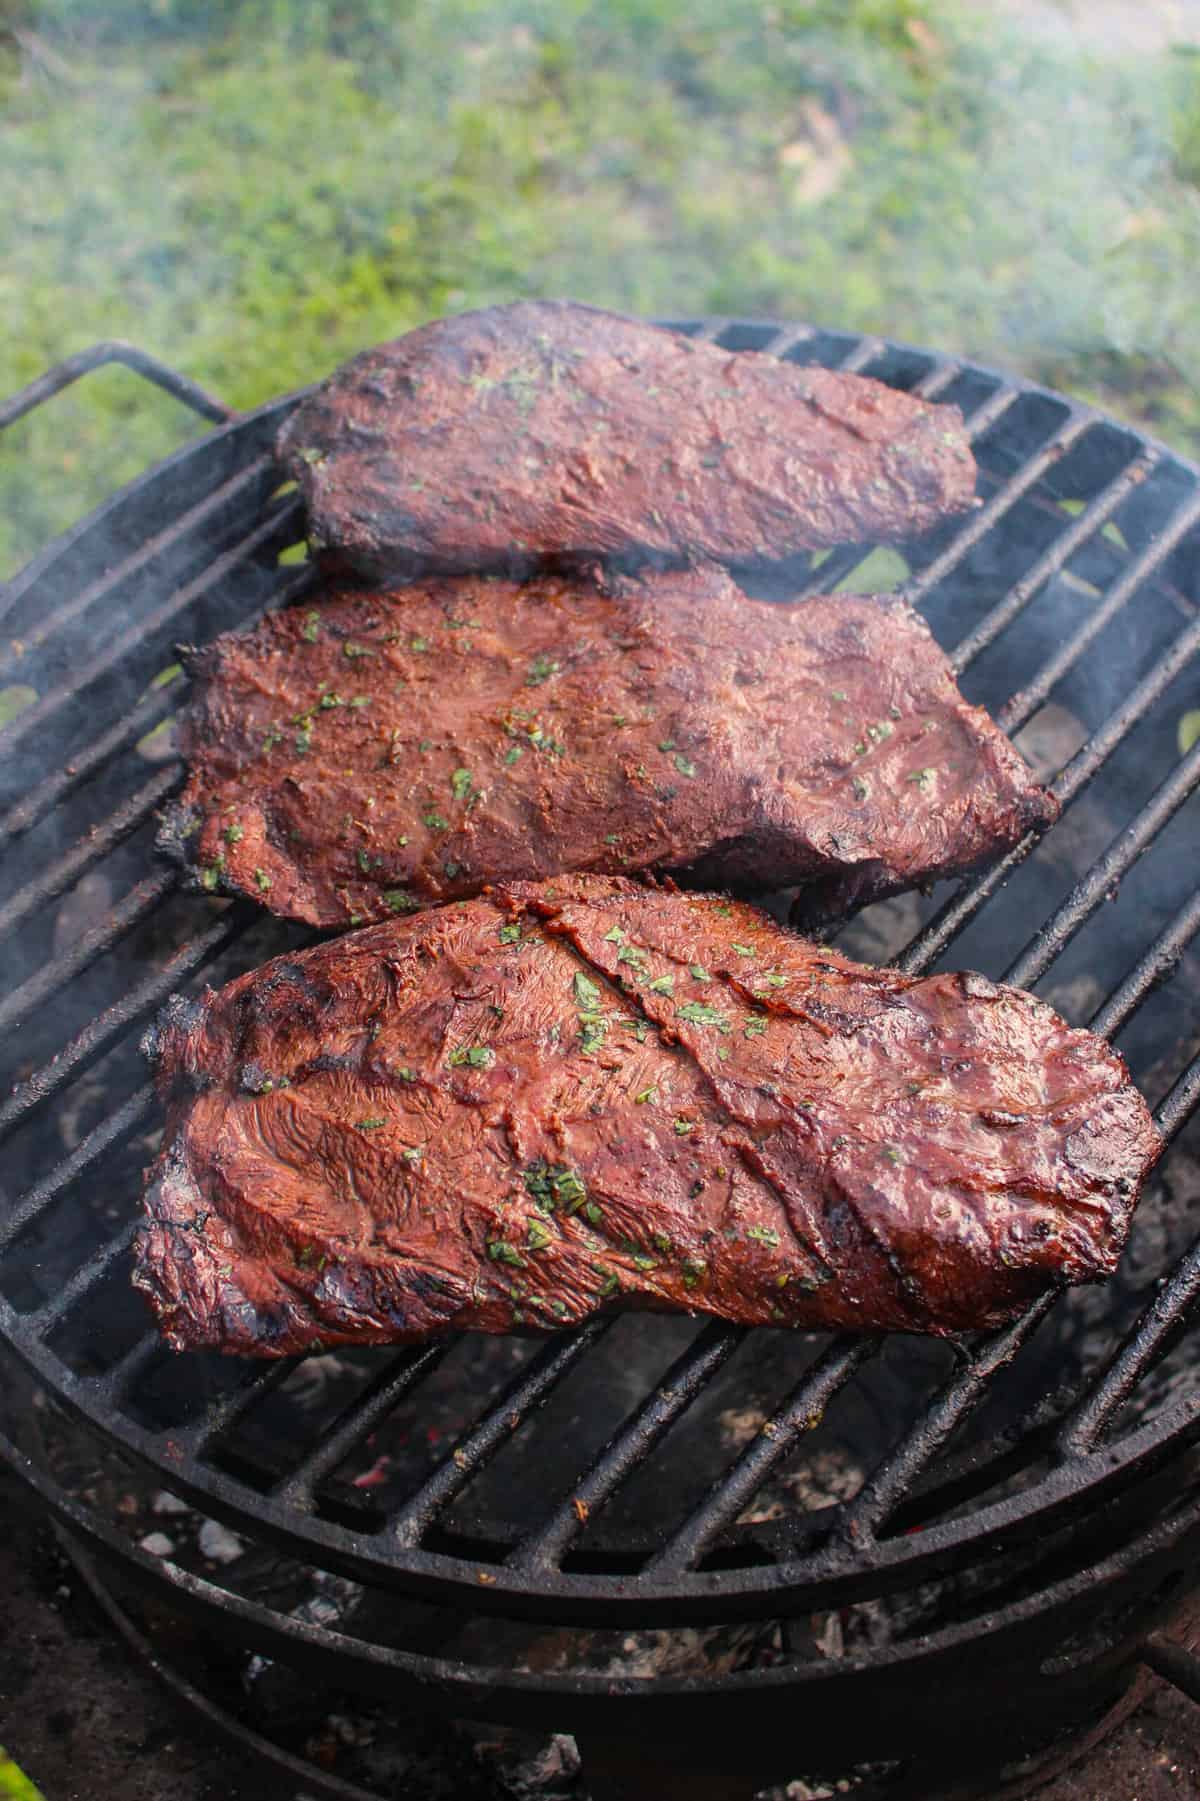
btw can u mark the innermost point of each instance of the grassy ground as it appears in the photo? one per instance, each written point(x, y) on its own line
point(255, 190)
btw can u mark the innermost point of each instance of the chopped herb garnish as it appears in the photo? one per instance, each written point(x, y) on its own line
point(511, 754)
point(539, 1237)
point(683, 764)
point(500, 1251)
point(419, 644)
point(684, 1126)
point(460, 784)
point(593, 1029)
point(628, 953)
point(892, 1154)
point(592, 1213)
point(511, 933)
point(611, 1284)
point(397, 901)
point(272, 738)
point(693, 1269)
point(540, 670)
point(435, 821)
point(839, 694)
point(210, 874)
point(764, 1234)
point(861, 789)
point(587, 994)
point(647, 1094)
point(745, 950)
point(311, 626)
point(667, 744)
point(661, 1242)
point(233, 834)
point(755, 1026)
point(699, 1013)
point(479, 1056)
point(353, 650)
point(553, 1185)
point(262, 880)
point(364, 861)
point(773, 979)
point(614, 935)
point(698, 972)
point(612, 838)
point(642, 1262)
point(923, 778)
point(663, 985)
point(369, 1125)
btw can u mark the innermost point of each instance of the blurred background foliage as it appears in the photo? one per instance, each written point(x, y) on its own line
point(255, 189)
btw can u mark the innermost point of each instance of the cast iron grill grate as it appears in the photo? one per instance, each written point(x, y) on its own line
point(1080, 572)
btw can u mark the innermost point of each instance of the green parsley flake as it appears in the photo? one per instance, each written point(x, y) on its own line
point(587, 994)
point(396, 900)
point(311, 626)
point(354, 650)
point(745, 950)
point(210, 875)
point(419, 644)
point(233, 834)
point(699, 1013)
point(684, 764)
point(684, 1126)
point(663, 985)
point(755, 1026)
point(693, 1269)
point(554, 1185)
point(539, 1237)
point(923, 778)
point(262, 881)
point(592, 1213)
point(540, 670)
point(500, 1251)
point(511, 933)
point(698, 972)
point(627, 953)
point(369, 1125)
point(511, 755)
point(647, 1094)
point(614, 935)
point(764, 1234)
point(478, 1056)
point(460, 783)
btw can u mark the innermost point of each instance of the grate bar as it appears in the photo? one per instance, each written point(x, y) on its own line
point(89, 1275)
point(1083, 527)
point(1173, 1112)
point(841, 563)
point(195, 1440)
point(119, 1378)
point(864, 352)
point(1159, 962)
point(95, 845)
point(801, 1413)
point(131, 640)
point(137, 905)
point(108, 1134)
point(1005, 497)
point(1025, 703)
point(944, 927)
point(150, 710)
point(102, 1031)
point(381, 1395)
point(128, 729)
point(529, 1391)
point(892, 1480)
point(1051, 940)
point(196, 517)
point(1166, 1312)
point(629, 1447)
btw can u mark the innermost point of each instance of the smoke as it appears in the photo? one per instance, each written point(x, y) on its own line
point(256, 191)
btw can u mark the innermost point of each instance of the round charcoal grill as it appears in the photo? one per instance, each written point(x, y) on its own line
point(902, 1563)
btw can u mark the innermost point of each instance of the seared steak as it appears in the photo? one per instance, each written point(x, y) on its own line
point(560, 1099)
point(377, 751)
point(540, 430)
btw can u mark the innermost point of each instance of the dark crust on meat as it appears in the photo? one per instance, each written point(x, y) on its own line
point(562, 1099)
point(377, 752)
point(501, 438)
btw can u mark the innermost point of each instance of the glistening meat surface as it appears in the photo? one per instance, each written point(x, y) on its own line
point(555, 1100)
point(375, 752)
point(502, 438)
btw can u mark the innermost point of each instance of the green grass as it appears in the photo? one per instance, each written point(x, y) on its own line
point(254, 191)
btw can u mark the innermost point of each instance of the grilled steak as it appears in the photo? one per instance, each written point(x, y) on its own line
point(500, 438)
point(377, 752)
point(559, 1099)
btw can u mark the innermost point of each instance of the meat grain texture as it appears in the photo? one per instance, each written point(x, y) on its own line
point(375, 752)
point(557, 1100)
point(543, 430)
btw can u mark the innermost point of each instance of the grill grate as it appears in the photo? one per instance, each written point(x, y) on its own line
point(96, 629)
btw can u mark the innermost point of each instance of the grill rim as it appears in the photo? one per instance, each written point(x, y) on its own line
point(81, 1395)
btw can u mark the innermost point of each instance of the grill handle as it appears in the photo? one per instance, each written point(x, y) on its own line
point(114, 350)
point(1175, 1665)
